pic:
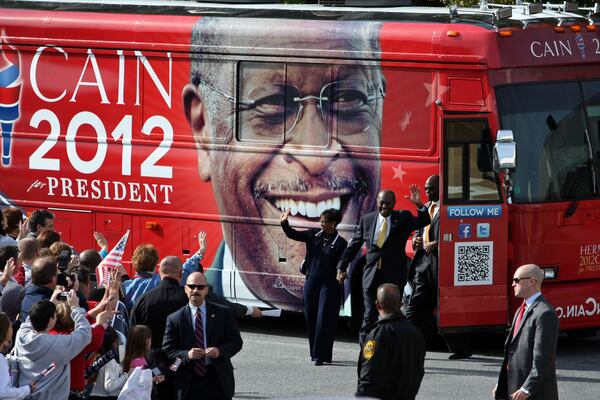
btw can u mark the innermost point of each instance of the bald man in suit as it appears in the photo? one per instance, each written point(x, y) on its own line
point(204, 336)
point(529, 366)
point(384, 233)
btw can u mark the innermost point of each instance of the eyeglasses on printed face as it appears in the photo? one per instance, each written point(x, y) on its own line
point(199, 287)
point(517, 280)
point(350, 105)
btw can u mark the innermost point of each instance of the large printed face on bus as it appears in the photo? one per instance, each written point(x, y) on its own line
point(295, 142)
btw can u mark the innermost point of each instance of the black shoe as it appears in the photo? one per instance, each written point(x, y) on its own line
point(318, 362)
point(460, 355)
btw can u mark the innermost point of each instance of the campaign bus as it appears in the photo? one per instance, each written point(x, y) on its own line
point(166, 118)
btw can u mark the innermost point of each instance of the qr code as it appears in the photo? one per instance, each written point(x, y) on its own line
point(473, 263)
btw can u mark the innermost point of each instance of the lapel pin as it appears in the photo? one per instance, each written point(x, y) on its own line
point(212, 315)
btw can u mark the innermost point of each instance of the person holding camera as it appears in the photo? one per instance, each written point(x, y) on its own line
point(99, 317)
point(66, 256)
point(322, 292)
point(45, 276)
point(36, 349)
point(43, 282)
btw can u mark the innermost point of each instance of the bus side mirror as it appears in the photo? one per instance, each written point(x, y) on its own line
point(505, 151)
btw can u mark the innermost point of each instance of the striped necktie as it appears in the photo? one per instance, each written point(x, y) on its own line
point(200, 365)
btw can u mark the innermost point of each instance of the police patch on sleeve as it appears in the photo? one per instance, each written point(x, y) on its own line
point(369, 349)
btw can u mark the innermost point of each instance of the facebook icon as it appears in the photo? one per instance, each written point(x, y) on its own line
point(464, 231)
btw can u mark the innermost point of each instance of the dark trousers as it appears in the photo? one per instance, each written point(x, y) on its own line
point(420, 309)
point(207, 387)
point(321, 307)
point(458, 342)
point(370, 315)
point(164, 390)
point(422, 303)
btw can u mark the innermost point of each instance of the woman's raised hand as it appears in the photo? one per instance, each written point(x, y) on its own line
point(285, 215)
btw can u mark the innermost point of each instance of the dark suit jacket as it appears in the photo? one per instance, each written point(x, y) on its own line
point(392, 253)
point(530, 357)
point(427, 263)
point(153, 307)
point(314, 247)
point(221, 332)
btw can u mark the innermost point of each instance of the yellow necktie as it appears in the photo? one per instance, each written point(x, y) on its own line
point(381, 239)
point(382, 234)
point(426, 229)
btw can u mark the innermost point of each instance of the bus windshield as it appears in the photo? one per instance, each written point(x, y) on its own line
point(557, 130)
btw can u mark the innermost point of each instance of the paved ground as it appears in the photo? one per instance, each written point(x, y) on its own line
point(274, 363)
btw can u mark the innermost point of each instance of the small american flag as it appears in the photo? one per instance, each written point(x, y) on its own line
point(111, 261)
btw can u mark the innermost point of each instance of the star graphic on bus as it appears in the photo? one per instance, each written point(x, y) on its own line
point(405, 121)
point(430, 87)
point(399, 172)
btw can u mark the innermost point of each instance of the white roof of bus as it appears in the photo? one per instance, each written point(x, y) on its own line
point(198, 7)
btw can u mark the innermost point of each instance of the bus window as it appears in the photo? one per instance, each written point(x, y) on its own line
point(468, 165)
point(273, 99)
point(358, 93)
point(552, 144)
point(591, 94)
point(454, 177)
point(261, 102)
point(408, 111)
point(214, 80)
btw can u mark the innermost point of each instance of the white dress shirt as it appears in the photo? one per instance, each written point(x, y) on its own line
point(437, 208)
point(380, 220)
point(529, 301)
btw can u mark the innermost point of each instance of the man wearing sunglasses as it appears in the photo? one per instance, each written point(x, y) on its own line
point(529, 370)
point(203, 336)
point(289, 130)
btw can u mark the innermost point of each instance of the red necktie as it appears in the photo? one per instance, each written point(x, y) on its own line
point(519, 317)
point(200, 366)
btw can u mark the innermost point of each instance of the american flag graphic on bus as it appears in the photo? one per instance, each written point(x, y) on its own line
point(10, 92)
point(111, 261)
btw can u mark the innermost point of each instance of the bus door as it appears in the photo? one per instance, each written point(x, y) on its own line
point(473, 228)
point(74, 227)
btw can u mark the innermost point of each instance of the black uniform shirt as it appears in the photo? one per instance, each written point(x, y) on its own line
point(391, 363)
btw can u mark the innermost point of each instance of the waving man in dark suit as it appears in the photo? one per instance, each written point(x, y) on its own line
point(203, 336)
point(423, 269)
point(529, 366)
point(385, 233)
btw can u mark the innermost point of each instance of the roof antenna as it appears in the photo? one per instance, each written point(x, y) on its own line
point(453, 10)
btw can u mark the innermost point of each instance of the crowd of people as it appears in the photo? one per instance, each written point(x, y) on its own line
point(62, 338)
point(167, 335)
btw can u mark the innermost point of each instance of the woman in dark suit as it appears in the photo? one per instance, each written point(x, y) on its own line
point(322, 292)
